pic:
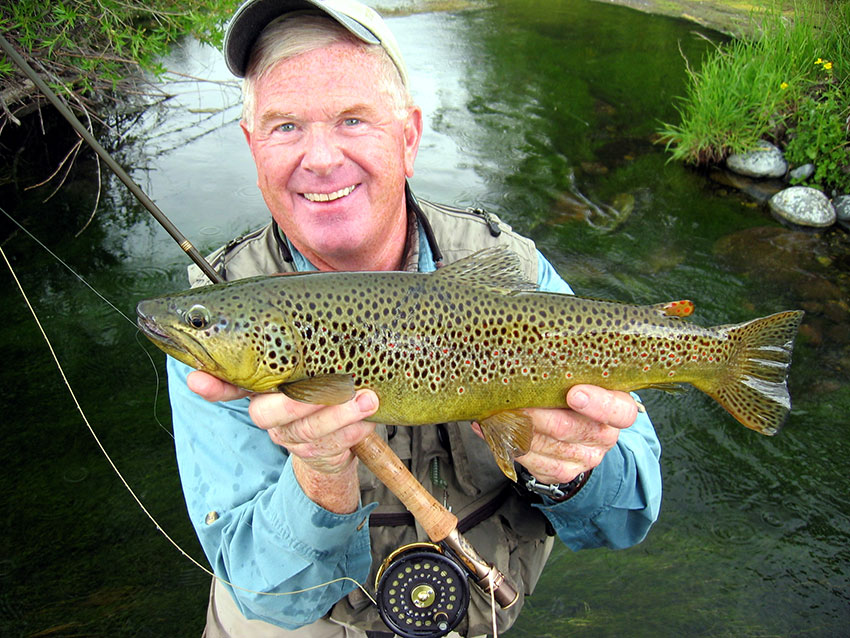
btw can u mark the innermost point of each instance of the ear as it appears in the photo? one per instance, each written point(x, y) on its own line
point(247, 134)
point(412, 136)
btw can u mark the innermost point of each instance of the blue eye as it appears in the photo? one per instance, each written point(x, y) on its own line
point(286, 128)
point(351, 121)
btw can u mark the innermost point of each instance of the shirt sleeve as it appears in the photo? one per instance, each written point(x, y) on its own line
point(258, 529)
point(622, 497)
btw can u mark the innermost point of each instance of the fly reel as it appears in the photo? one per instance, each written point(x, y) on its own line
point(421, 592)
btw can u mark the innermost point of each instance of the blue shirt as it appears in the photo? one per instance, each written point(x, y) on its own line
point(261, 533)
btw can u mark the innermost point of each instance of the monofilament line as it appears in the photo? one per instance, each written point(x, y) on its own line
point(85, 418)
point(67, 267)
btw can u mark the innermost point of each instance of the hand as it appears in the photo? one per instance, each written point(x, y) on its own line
point(567, 442)
point(321, 436)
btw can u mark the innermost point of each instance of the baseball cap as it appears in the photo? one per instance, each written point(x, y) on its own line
point(254, 15)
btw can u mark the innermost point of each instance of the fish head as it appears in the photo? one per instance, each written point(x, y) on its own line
point(223, 331)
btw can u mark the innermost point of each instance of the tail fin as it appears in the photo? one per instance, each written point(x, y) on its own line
point(754, 389)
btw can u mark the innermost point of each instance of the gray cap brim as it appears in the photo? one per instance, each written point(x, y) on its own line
point(253, 16)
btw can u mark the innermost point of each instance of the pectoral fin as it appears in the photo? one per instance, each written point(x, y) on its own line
point(331, 389)
point(508, 434)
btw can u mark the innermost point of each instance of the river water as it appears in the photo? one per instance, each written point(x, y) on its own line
point(545, 115)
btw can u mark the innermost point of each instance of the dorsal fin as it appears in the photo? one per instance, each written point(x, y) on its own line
point(496, 267)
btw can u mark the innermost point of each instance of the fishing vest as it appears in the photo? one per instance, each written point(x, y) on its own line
point(449, 460)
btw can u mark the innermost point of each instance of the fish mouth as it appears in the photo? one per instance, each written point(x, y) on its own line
point(165, 342)
point(152, 331)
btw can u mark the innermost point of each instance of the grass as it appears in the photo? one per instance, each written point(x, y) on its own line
point(765, 85)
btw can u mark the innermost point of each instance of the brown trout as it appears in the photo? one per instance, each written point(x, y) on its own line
point(471, 341)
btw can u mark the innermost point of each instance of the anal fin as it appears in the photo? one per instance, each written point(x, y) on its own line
point(508, 434)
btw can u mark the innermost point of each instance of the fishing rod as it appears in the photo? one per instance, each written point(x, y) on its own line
point(404, 569)
point(116, 168)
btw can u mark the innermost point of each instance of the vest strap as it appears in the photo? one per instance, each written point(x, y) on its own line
point(483, 512)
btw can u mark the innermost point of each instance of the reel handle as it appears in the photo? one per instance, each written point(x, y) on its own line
point(435, 519)
point(439, 523)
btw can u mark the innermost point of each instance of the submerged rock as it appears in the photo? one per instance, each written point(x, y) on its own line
point(803, 206)
point(841, 204)
point(803, 172)
point(760, 190)
point(765, 161)
point(809, 266)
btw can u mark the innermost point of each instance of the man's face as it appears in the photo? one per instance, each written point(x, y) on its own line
point(332, 156)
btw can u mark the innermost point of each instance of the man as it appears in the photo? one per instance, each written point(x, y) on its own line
point(279, 502)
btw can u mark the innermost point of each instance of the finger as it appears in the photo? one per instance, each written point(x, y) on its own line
point(213, 389)
point(332, 419)
point(309, 421)
point(328, 453)
point(586, 444)
point(547, 469)
point(612, 407)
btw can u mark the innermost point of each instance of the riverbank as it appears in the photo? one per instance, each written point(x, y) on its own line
point(733, 17)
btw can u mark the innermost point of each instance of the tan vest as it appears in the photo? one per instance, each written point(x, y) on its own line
point(510, 533)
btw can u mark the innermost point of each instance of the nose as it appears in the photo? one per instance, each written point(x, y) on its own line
point(322, 153)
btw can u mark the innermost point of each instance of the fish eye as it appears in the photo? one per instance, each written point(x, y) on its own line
point(197, 316)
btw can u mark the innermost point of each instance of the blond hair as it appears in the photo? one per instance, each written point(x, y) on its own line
point(292, 35)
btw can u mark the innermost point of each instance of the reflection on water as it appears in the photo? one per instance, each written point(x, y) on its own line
point(545, 115)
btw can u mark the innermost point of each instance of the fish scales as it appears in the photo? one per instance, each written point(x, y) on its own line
point(470, 342)
point(475, 349)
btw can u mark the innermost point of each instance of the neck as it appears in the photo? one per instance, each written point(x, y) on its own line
point(384, 253)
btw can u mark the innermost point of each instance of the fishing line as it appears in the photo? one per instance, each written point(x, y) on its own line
point(107, 302)
point(71, 270)
point(109, 458)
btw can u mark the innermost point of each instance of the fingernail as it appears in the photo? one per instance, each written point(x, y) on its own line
point(579, 400)
point(366, 402)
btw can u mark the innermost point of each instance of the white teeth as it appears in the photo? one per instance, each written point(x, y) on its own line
point(328, 197)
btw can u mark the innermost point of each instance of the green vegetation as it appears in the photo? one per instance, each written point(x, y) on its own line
point(89, 48)
point(789, 83)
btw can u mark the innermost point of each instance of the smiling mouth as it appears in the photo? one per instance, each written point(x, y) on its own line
point(329, 197)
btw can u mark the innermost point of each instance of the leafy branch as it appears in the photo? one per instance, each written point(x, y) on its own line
point(92, 50)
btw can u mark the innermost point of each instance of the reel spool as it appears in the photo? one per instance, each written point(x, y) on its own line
point(421, 592)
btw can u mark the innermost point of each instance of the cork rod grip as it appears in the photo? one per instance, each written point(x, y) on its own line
point(435, 519)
